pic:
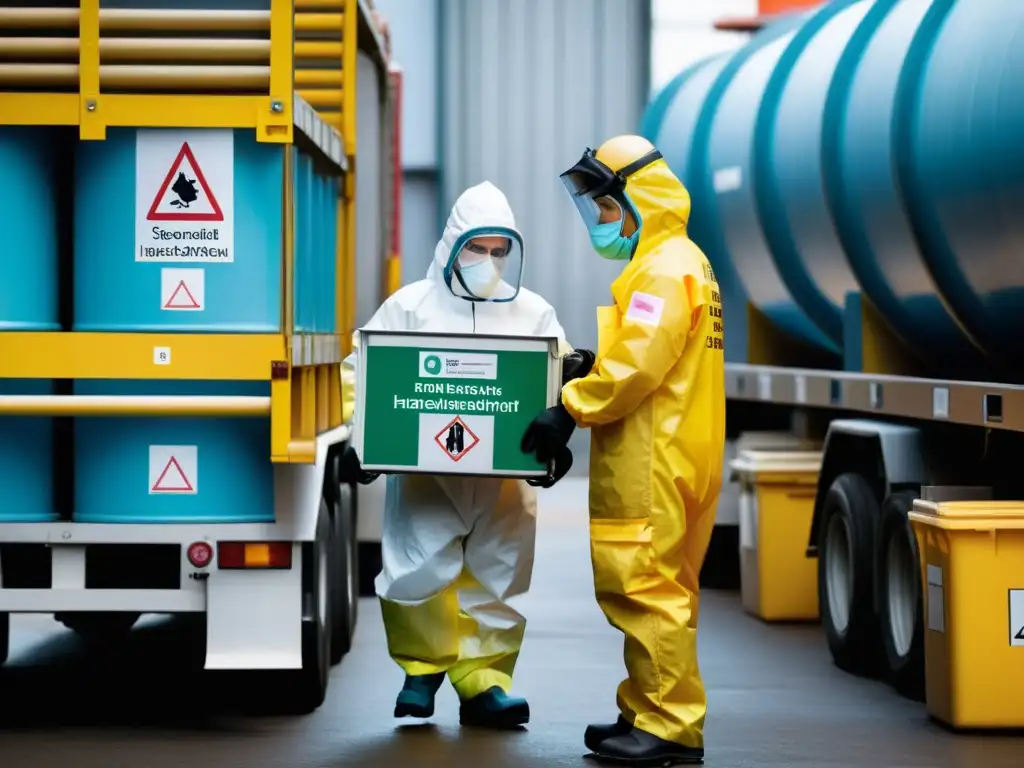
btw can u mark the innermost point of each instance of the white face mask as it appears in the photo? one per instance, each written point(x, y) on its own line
point(481, 278)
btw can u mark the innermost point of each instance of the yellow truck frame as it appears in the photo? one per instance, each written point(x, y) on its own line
point(295, 103)
point(288, 73)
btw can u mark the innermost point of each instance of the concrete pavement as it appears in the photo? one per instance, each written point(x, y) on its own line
point(775, 699)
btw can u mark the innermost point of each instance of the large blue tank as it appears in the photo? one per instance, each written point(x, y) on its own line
point(787, 166)
point(871, 149)
point(962, 162)
point(859, 171)
point(724, 148)
point(650, 122)
point(673, 133)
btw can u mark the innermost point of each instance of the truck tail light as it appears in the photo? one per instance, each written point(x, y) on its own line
point(200, 554)
point(252, 554)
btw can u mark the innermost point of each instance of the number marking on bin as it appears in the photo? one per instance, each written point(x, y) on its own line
point(161, 355)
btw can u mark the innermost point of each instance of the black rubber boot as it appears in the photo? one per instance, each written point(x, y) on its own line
point(494, 709)
point(639, 749)
point(416, 699)
point(597, 733)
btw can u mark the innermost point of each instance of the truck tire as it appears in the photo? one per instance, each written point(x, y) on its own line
point(5, 637)
point(344, 576)
point(901, 603)
point(846, 554)
point(303, 691)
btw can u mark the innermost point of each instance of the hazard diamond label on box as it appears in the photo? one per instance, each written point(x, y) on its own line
point(456, 439)
point(182, 290)
point(174, 469)
point(184, 195)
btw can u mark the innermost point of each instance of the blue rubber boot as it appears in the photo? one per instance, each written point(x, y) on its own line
point(416, 699)
point(494, 709)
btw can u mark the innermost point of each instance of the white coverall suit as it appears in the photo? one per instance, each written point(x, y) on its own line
point(437, 526)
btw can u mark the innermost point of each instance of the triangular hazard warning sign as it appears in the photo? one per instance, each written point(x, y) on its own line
point(172, 478)
point(179, 198)
point(182, 298)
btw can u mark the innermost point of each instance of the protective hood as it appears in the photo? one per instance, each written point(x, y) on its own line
point(479, 211)
point(661, 203)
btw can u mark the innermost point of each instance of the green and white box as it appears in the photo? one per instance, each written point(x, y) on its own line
point(452, 404)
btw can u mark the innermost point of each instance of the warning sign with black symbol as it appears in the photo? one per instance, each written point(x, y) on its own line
point(454, 443)
point(184, 196)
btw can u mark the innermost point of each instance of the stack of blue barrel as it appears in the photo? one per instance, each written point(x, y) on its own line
point(126, 280)
point(28, 302)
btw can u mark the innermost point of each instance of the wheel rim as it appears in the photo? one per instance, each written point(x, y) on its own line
point(351, 568)
point(322, 582)
point(839, 573)
point(902, 600)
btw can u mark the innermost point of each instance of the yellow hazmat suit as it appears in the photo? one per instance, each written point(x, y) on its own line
point(655, 403)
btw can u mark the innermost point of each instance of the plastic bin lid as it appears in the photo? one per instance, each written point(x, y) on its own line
point(775, 462)
point(969, 515)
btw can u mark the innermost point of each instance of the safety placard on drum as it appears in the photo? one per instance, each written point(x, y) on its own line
point(184, 195)
point(426, 405)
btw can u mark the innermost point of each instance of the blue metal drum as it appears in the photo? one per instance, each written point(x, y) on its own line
point(28, 218)
point(170, 470)
point(178, 230)
point(26, 459)
point(329, 274)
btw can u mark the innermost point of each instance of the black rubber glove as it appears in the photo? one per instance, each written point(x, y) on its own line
point(350, 471)
point(577, 364)
point(563, 462)
point(548, 433)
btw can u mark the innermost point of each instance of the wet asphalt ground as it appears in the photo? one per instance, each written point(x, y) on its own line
point(775, 700)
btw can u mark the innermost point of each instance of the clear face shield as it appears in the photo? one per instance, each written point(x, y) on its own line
point(486, 264)
point(597, 191)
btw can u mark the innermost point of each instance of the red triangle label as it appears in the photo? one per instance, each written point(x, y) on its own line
point(187, 194)
point(172, 478)
point(182, 298)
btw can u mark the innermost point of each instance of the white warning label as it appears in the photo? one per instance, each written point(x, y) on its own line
point(174, 469)
point(185, 195)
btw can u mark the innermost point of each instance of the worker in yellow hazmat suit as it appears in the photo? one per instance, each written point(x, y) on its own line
point(655, 404)
point(457, 549)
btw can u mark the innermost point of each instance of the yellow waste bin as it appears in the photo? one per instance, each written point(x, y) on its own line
point(778, 581)
point(972, 555)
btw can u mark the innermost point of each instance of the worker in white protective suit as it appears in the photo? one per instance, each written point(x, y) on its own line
point(462, 542)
